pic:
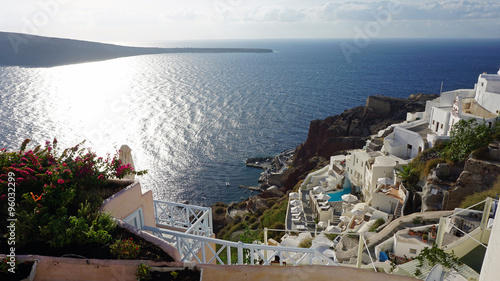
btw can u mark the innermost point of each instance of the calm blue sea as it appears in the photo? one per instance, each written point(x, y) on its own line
point(193, 119)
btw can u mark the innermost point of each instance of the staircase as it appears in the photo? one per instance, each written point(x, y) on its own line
point(398, 211)
point(335, 220)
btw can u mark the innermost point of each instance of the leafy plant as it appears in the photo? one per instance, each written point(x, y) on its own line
point(331, 236)
point(143, 272)
point(174, 274)
point(408, 174)
point(466, 136)
point(417, 220)
point(435, 255)
point(305, 243)
point(125, 249)
point(378, 222)
point(58, 193)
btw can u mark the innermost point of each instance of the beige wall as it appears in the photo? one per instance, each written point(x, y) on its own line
point(127, 201)
point(75, 269)
point(291, 273)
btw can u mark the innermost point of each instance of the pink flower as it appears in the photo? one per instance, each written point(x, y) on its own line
point(100, 177)
point(64, 164)
point(49, 173)
point(60, 181)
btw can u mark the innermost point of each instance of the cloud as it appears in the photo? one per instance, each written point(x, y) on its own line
point(411, 10)
point(277, 14)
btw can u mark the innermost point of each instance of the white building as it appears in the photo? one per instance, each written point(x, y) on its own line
point(422, 130)
point(365, 168)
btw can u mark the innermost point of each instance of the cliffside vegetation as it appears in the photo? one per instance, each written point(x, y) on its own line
point(467, 136)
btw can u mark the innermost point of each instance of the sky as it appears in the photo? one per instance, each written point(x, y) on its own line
point(170, 20)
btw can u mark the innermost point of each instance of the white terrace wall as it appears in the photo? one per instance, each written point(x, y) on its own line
point(490, 269)
point(127, 201)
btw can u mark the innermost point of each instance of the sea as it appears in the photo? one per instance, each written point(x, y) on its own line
point(192, 120)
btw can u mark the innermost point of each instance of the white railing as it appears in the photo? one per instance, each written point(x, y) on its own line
point(189, 218)
point(207, 250)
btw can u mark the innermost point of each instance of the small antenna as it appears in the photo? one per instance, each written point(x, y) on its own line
point(440, 91)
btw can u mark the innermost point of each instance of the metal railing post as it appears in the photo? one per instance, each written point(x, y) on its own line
point(240, 252)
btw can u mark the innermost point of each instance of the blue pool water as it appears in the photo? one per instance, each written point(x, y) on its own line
point(337, 195)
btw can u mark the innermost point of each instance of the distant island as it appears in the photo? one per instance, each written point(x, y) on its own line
point(17, 49)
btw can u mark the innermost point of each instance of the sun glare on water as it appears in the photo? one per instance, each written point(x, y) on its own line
point(91, 96)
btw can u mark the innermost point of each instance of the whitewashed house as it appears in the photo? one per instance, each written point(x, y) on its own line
point(364, 169)
point(422, 130)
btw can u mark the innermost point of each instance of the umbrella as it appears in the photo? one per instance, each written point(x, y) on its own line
point(358, 213)
point(296, 210)
point(344, 218)
point(349, 198)
point(385, 181)
point(295, 203)
point(329, 253)
point(318, 189)
point(333, 229)
point(361, 206)
point(293, 195)
point(322, 224)
point(323, 197)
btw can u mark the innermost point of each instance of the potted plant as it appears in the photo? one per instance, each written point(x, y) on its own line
point(424, 238)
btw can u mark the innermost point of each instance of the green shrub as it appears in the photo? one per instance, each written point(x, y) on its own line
point(255, 225)
point(220, 210)
point(274, 215)
point(278, 225)
point(378, 222)
point(252, 219)
point(418, 220)
point(331, 236)
point(306, 243)
point(143, 272)
point(480, 196)
point(271, 202)
point(466, 136)
point(242, 205)
point(481, 153)
point(431, 164)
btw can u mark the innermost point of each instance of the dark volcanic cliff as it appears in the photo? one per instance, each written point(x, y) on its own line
point(350, 130)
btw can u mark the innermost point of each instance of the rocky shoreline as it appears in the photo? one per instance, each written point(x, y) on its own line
point(273, 170)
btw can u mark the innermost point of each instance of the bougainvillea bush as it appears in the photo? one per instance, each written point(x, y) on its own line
point(58, 193)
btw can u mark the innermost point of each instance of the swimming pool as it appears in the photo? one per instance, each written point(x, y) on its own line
point(337, 195)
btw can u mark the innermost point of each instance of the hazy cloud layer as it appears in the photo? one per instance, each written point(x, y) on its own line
point(202, 19)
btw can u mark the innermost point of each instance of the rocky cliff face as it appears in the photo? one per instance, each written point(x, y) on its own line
point(350, 130)
point(445, 191)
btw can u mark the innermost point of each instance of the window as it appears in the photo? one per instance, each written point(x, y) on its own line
point(136, 219)
point(433, 121)
point(441, 126)
point(482, 84)
point(413, 251)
